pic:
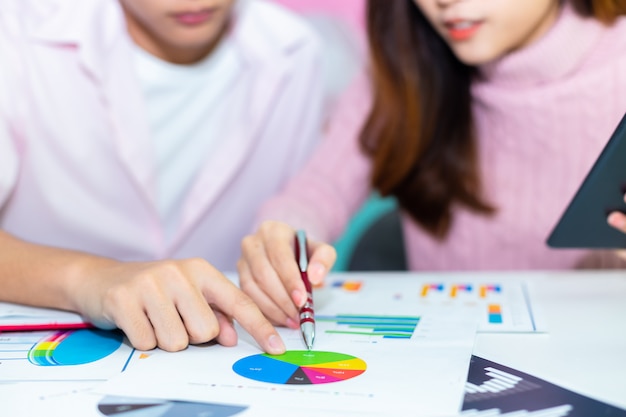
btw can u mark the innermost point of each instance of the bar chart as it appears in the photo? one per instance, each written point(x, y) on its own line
point(378, 326)
point(494, 390)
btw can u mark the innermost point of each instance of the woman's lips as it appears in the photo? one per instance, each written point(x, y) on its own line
point(194, 18)
point(460, 30)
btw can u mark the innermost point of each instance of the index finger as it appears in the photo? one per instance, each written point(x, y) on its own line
point(234, 303)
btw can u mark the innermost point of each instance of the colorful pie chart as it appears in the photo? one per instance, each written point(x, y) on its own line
point(75, 347)
point(300, 367)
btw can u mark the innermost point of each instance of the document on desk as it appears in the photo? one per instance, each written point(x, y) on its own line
point(61, 355)
point(381, 358)
point(16, 317)
point(502, 305)
point(76, 399)
point(495, 390)
point(491, 390)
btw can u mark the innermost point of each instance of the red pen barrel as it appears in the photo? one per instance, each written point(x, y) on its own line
point(307, 313)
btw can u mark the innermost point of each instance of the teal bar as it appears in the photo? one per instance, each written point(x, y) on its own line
point(385, 335)
point(394, 329)
point(371, 321)
point(367, 323)
point(357, 316)
point(386, 328)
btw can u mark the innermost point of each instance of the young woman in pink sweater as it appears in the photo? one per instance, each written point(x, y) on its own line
point(482, 118)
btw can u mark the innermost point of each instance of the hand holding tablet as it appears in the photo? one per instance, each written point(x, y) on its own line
point(584, 224)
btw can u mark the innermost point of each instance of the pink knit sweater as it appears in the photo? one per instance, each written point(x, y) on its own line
point(543, 114)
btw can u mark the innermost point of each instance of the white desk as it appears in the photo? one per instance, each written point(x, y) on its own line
point(584, 349)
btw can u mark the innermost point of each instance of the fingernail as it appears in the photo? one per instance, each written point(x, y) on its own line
point(276, 344)
point(616, 221)
point(292, 324)
point(298, 298)
point(317, 272)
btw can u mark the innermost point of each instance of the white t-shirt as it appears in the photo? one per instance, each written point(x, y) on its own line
point(187, 108)
point(83, 175)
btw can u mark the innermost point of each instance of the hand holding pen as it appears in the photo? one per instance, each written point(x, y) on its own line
point(269, 275)
point(307, 313)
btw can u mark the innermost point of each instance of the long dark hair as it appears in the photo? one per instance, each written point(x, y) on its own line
point(420, 132)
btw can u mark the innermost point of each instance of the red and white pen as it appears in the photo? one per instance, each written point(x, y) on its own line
point(307, 315)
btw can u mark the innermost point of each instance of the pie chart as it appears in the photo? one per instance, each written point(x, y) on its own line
point(75, 347)
point(300, 367)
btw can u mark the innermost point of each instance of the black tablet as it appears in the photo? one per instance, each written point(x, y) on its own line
point(583, 224)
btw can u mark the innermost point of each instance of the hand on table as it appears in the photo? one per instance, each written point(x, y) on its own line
point(170, 304)
point(268, 271)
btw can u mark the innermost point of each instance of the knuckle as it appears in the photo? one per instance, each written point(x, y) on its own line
point(275, 316)
point(176, 272)
point(263, 325)
point(169, 270)
point(269, 227)
point(206, 335)
point(141, 338)
point(282, 263)
point(146, 280)
point(147, 286)
point(246, 284)
point(243, 302)
point(116, 297)
point(249, 243)
point(264, 275)
point(266, 226)
point(174, 344)
point(144, 344)
point(196, 263)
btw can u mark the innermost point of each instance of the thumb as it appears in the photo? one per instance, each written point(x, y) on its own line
point(323, 257)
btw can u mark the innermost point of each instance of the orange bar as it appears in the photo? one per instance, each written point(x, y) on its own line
point(352, 285)
point(453, 291)
point(494, 309)
point(483, 291)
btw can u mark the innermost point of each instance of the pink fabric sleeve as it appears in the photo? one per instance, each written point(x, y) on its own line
point(334, 183)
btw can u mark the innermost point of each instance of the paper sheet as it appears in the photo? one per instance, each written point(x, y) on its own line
point(76, 399)
point(491, 390)
point(86, 354)
point(501, 305)
point(378, 358)
point(14, 316)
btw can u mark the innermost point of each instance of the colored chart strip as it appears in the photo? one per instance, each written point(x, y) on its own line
point(300, 367)
point(426, 288)
point(486, 289)
point(460, 287)
point(494, 313)
point(74, 347)
point(388, 327)
point(350, 286)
